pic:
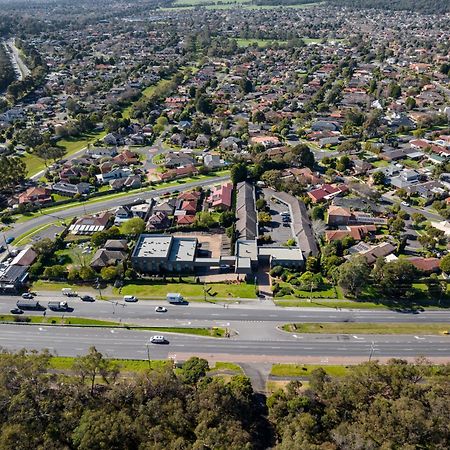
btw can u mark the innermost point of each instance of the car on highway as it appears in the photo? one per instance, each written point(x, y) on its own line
point(87, 298)
point(130, 298)
point(158, 340)
point(9, 240)
point(16, 311)
point(27, 296)
point(160, 309)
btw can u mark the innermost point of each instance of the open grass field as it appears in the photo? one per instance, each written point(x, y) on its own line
point(368, 328)
point(189, 290)
point(260, 42)
point(304, 370)
point(126, 365)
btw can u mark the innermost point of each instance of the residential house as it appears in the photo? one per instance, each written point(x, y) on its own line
point(357, 232)
point(113, 174)
point(131, 182)
point(326, 192)
point(179, 172)
point(213, 161)
point(70, 190)
point(178, 159)
point(220, 197)
point(89, 225)
point(157, 221)
point(35, 195)
point(371, 252)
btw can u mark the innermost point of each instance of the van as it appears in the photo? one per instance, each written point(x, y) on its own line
point(175, 298)
point(129, 298)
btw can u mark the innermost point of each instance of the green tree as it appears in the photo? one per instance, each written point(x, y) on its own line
point(353, 276)
point(86, 273)
point(94, 365)
point(444, 264)
point(264, 218)
point(395, 278)
point(238, 173)
point(194, 369)
point(379, 178)
point(133, 227)
point(108, 273)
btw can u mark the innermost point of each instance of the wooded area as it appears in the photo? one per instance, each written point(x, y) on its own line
point(393, 406)
point(7, 74)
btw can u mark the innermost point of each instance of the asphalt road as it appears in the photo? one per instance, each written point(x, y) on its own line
point(85, 208)
point(122, 343)
point(254, 311)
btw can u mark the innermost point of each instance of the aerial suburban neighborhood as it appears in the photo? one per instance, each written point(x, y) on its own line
point(262, 186)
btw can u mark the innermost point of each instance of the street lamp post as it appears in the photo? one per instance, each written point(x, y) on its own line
point(148, 356)
point(372, 349)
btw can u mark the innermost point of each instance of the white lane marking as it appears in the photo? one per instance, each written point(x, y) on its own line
point(419, 338)
point(359, 338)
point(298, 337)
point(41, 329)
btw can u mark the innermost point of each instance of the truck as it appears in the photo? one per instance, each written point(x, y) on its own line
point(175, 298)
point(58, 306)
point(28, 304)
point(68, 292)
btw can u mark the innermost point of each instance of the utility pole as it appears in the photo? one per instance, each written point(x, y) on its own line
point(148, 356)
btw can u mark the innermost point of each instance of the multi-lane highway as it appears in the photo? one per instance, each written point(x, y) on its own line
point(123, 343)
point(258, 336)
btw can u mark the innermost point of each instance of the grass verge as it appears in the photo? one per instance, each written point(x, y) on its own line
point(299, 370)
point(368, 328)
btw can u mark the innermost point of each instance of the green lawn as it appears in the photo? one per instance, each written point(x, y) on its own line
point(260, 42)
point(298, 370)
point(226, 366)
point(316, 303)
point(368, 328)
point(126, 365)
point(188, 289)
point(380, 163)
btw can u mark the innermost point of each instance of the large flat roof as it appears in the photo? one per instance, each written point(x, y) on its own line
point(282, 253)
point(183, 249)
point(153, 246)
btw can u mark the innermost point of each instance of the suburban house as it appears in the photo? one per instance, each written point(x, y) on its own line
point(70, 190)
point(338, 216)
point(179, 172)
point(326, 192)
point(113, 252)
point(113, 174)
point(91, 224)
point(221, 197)
point(35, 195)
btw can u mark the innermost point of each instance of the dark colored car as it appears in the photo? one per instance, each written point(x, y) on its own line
point(16, 311)
point(87, 298)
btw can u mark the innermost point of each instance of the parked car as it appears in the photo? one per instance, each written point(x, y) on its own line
point(87, 298)
point(158, 340)
point(130, 298)
point(9, 240)
point(27, 295)
point(16, 311)
point(160, 309)
point(405, 204)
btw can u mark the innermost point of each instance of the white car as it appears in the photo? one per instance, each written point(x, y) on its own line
point(158, 340)
point(405, 204)
point(160, 309)
point(130, 298)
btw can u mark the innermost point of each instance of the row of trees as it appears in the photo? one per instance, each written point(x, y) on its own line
point(398, 405)
point(7, 74)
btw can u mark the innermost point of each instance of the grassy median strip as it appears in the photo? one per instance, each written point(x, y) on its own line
point(367, 328)
point(80, 321)
point(126, 365)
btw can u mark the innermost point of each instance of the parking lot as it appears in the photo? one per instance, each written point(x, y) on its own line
point(280, 231)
